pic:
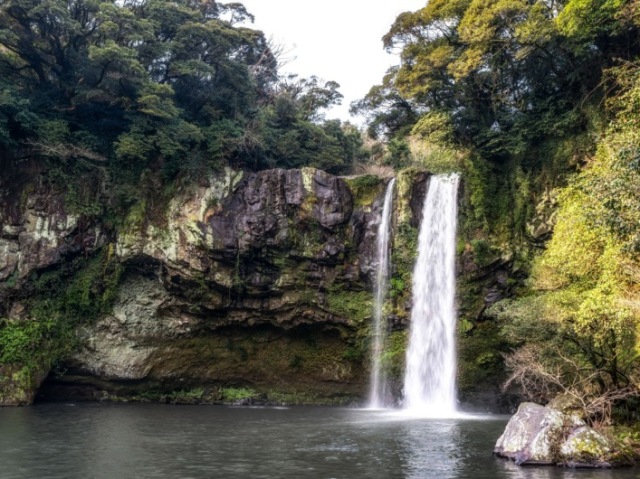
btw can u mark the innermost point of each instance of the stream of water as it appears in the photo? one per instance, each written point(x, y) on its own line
point(379, 393)
point(429, 383)
point(122, 441)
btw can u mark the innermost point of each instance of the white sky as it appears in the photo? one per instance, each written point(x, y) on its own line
point(338, 40)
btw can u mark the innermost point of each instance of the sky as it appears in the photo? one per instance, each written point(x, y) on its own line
point(338, 40)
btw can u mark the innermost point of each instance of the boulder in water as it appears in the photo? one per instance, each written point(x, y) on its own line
point(538, 435)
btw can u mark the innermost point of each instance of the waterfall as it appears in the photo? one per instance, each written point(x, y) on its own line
point(378, 394)
point(429, 383)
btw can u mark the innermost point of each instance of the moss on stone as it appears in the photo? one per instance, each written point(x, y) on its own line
point(62, 299)
point(365, 189)
point(394, 354)
point(136, 217)
point(480, 357)
point(470, 301)
point(17, 384)
point(356, 306)
point(403, 256)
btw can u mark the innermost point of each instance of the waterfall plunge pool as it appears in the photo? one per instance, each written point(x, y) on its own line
point(92, 440)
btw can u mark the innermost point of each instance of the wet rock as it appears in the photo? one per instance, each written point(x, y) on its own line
point(18, 386)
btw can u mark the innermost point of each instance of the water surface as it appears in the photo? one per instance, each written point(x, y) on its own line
point(160, 441)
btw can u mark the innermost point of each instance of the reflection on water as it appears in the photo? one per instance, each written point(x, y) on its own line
point(155, 441)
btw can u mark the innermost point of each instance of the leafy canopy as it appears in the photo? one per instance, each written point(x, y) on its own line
point(509, 74)
point(177, 84)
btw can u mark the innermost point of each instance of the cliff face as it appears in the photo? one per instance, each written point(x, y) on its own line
point(246, 286)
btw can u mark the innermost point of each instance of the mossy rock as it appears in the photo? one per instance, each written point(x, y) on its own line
point(19, 384)
point(365, 189)
point(355, 306)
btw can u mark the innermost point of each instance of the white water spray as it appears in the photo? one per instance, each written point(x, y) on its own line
point(429, 382)
point(379, 386)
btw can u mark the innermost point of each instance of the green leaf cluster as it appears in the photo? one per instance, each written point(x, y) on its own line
point(504, 77)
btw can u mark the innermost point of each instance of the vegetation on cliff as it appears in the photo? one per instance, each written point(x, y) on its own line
point(114, 109)
point(583, 294)
point(58, 302)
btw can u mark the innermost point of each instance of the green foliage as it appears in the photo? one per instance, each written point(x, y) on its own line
point(61, 300)
point(588, 19)
point(82, 198)
point(233, 395)
point(480, 357)
point(355, 306)
point(355, 353)
point(432, 144)
point(387, 111)
point(398, 154)
point(584, 285)
point(435, 127)
point(434, 158)
point(170, 85)
point(365, 189)
point(21, 340)
point(500, 70)
point(482, 251)
point(397, 287)
point(501, 90)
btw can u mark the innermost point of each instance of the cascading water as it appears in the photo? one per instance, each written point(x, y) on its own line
point(378, 394)
point(429, 382)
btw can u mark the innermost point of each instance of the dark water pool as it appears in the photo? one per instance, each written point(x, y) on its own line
point(157, 441)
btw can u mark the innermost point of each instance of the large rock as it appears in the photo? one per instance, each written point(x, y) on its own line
point(538, 435)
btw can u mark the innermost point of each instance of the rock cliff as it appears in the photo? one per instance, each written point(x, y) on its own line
point(245, 286)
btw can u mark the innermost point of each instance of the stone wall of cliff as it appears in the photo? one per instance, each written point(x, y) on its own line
point(246, 285)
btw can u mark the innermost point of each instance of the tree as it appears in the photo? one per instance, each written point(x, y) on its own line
point(509, 73)
point(109, 72)
point(388, 112)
